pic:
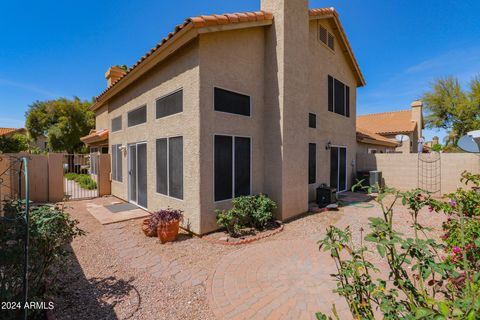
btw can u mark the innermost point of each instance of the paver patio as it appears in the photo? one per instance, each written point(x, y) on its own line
point(281, 277)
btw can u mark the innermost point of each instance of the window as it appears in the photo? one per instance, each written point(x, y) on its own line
point(312, 120)
point(117, 162)
point(117, 124)
point(231, 102)
point(372, 150)
point(93, 160)
point(232, 167)
point(312, 163)
point(170, 104)
point(137, 116)
point(338, 97)
point(169, 155)
point(327, 38)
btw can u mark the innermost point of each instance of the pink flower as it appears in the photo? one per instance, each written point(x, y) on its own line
point(456, 250)
point(452, 203)
point(430, 209)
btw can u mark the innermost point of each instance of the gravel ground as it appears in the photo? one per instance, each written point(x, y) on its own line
point(101, 285)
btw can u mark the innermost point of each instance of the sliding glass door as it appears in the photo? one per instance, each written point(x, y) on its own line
point(137, 174)
point(338, 168)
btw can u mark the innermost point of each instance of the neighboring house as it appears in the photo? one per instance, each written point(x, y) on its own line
point(391, 124)
point(41, 142)
point(235, 104)
point(369, 142)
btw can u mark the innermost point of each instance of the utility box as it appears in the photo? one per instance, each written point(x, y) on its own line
point(326, 195)
point(375, 180)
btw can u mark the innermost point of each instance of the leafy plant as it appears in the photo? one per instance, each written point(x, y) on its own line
point(247, 211)
point(421, 283)
point(14, 144)
point(437, 147)
point(50, 230)
point(163, 217)
point(84, 180)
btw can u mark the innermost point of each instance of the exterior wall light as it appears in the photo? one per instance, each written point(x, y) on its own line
point(328, 146)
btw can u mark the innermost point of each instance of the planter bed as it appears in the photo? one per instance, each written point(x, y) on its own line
point(224, 238)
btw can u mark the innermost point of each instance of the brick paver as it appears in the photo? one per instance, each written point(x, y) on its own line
point(274, 280)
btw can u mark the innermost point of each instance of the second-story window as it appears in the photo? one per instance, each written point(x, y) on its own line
point(137, 116)
point(231, 102)
point(338, 97)
point(117, 124)
point(170, 104)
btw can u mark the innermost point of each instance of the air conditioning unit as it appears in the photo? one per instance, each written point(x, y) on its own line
point(326, 195)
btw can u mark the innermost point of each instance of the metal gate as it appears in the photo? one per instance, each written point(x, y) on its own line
point(80, 176)
point(430, 172)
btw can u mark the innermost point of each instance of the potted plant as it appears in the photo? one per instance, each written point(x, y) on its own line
point(149, 228)
point(167, 224)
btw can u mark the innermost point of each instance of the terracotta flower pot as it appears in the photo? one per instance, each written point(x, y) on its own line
point(149, 232)
point(168, 232)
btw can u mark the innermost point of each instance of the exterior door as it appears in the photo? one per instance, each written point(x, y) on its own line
point(338, 168)
point(137, 174)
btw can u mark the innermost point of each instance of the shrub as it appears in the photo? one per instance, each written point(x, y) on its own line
point(51, 229)
point(84, 180)
point(247, 211)
point(422, 284)
point(164, 217)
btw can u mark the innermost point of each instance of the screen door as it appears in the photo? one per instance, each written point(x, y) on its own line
point(137, 174)
point(338, 168)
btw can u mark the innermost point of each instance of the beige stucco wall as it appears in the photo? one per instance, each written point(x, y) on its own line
point(234, 61)
point(364, 148)
point(410, 146)
point(172, 74)
point(401, 170)
point(102, 118)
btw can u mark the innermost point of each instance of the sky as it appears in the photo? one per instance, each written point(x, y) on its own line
point(51, 49)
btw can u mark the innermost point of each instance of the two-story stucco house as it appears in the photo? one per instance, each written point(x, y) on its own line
point(234, 104)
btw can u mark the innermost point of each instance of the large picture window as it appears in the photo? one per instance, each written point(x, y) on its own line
point(231, 102)
point(169, 154)
point(137, 116)
point(117, 163)
point(169, 105)
point(338, 97)
point(232, 166)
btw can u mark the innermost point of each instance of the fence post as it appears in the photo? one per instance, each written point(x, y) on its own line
point(55, 177)
point(104, 183)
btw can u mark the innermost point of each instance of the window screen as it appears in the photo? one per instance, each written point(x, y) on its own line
point(323, 34)
point(175, 168)
point(334, 167)
point(330, 93)
point(137, 116)
point(169, 156)
point(338, 97)
point(331, 41)
point(223, 167)
point(117, 162)
point(242, 166)
point(312, 120)
point(117, 124)
point(312, 163)
point(162, 166)
point(231, 102)
point(347, 101)
point(170, 104)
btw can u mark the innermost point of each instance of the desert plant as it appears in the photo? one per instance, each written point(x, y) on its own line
point(50, 230)
point(422, 284)
point(247, 211)
point(163, 217)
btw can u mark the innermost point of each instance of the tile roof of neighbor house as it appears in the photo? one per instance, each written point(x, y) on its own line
point(236, 18)
point(95, 136)
point(366, 136)
point(388, 122)
point(4, 131)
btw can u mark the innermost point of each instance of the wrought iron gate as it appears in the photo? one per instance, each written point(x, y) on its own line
point(80, 176)
point(430, 172)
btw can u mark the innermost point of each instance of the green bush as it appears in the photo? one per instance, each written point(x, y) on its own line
point(84, 180)
point(247, 212)
point(50, 230)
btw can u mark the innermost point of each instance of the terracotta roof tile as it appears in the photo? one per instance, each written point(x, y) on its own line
point(365, 135)
point(4, 131)
point(95, 136)
point(387, 122)
point(199, 22)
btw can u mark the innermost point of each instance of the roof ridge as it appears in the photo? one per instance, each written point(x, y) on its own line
point(386, 112)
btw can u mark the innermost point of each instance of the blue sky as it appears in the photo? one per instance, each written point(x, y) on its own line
point(50, 49)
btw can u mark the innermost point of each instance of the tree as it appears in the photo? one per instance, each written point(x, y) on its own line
point(63, 121)
point(449, 107)
point(14, 144)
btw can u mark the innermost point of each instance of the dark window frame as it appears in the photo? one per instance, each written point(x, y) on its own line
point(312, 163)
point(157, 117)
point(134, 110)
point(233, 166)
point(236, 93)
point(312, 120)
point(331, 96)
point(167, 145)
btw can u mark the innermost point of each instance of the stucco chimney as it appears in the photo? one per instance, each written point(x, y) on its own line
point(113, 74)
point(417, 115)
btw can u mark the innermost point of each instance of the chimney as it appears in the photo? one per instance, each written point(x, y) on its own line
point(113, 74)
point(417, 115)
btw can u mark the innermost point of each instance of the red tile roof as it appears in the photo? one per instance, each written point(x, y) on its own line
point(388, 122)
point(199, 22)
point(366, 136)
point(4, 131)
point(95, 136)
